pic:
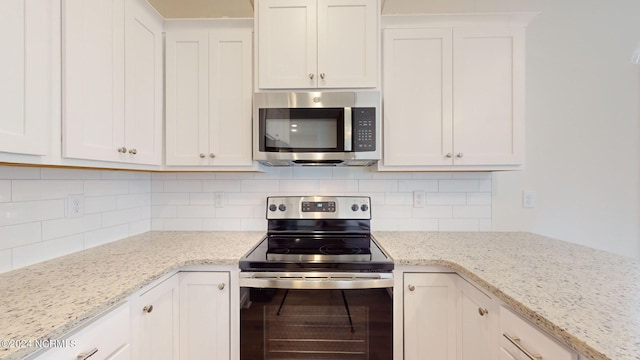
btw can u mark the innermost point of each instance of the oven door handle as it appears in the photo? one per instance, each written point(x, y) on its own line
point(316, 281)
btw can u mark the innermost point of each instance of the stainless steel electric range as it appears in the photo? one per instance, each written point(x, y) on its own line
point(318, 286)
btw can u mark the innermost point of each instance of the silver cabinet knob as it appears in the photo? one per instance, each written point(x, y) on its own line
point(212, 155)
point(482, 311)
point(221, 286)
point(122, 150)
point(449, 155)
point(459, 155)
point(322, 76)
point(412, 288)
point(311, 76)
point(133, 151)
point(147, 309)
point(202, 156)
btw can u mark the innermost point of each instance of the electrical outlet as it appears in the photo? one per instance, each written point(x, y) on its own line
point(419, 198)
point(528, 199)
point(218, 199)
point(75, 206)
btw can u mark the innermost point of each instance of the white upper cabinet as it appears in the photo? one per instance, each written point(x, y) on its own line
point(29, 52)
point(317, 43)
point(208, 97)
point(112, 81)
point(453, 96)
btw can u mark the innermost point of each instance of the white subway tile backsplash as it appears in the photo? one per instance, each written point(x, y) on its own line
point(195, 211)
point(5, 191)
point(458, 225)
point(19, 172)
point(45, 250)
point(386, 186)
point(259, 186)
point(6, 263)
point(458, 185)
point(33, 226)
point(105, 235)
point(170, 198)
point(221, 224)
point(57, 228)
point(446, 198)
point(472, 212)
point(68, 174)
point(433, 212)
point(105, 187)
point(421, 185)
point(19, 235)
point(30, 211)
point(221, 186)
point(121, 216)
point(479, 199)
point(178, 186)
point(26, 190)
point(99, 204)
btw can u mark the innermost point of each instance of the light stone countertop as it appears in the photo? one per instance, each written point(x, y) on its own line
point(589, 298)
point(47, 300)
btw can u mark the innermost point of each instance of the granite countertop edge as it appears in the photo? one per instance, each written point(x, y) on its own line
point(249, 240)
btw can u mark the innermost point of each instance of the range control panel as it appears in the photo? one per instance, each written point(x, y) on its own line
point(319, 207)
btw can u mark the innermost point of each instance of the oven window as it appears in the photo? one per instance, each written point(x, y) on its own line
point(317, 324)
point(302, 130)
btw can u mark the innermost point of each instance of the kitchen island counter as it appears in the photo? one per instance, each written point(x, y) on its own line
point(588, 298)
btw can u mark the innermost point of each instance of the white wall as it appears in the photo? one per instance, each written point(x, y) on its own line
point(583, 128)
point(33, 222)
point(454, 201)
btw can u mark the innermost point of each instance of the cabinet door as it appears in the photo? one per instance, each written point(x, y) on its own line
point(93, 79)
point(143, 83)
point(287, 44)
point(347, 43)
point(230, 101)
point(417, 97)
point(26, 98)
point(187, 98)
point(478, 321)
point(157, 322)
point(430, 316)
point(488, 92)
point(204, 315)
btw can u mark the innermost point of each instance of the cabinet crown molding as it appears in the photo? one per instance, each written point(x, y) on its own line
point(515, 19)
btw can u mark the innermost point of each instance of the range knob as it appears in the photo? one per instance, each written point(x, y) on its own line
point(364, 207)
point(354, 207)
point(282, 207)
point(273, 207)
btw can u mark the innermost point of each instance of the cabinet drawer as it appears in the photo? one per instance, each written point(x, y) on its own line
point(109, 334)
point(519, 338)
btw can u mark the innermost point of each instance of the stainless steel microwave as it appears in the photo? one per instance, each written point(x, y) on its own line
point(317, 128)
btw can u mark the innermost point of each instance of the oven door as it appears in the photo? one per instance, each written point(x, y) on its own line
point(316, 316)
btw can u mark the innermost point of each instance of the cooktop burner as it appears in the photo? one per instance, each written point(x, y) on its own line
point(318, 233)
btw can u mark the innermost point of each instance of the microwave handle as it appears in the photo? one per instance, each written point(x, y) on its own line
point(348, 129)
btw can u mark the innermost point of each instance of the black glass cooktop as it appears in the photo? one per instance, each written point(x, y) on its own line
point(317, 253)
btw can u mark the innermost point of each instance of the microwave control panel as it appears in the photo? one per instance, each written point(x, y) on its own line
point(364, 128)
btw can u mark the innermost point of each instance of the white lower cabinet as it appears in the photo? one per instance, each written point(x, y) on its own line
point(155, 322)
point(107, 338)
point(429, 316)
point(204, 315)
point(444, 317)
point(477, 323)
point(520, 340)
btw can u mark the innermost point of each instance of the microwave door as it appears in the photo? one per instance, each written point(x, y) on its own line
point(348, 131)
